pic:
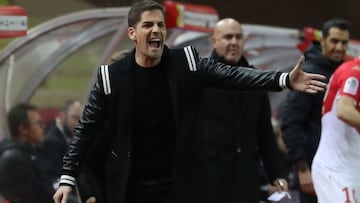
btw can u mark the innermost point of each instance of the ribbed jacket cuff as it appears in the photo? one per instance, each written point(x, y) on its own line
point(67, 180)
point(284, 81)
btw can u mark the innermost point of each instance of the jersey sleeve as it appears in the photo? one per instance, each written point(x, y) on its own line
point(350, 83)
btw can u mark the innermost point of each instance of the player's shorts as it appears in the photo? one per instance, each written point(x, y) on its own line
point(331, 189)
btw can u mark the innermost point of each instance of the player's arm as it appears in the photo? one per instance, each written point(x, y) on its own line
point(347, 112)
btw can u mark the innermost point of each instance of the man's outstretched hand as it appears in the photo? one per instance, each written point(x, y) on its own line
point(306, 82)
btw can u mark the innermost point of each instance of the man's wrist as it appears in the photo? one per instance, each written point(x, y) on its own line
point(287, 81)
point(301, 165)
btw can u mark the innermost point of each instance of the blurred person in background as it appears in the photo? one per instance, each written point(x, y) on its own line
point(59, 133)
point(301, 124)
point(57, 139)
point(24, 171)
point(336, 165)
point(149, 103)
point(238, 128)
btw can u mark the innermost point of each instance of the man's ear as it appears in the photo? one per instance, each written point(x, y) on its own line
point(131, 33)
point(61, 116)
point(213, 40)
point(22, 130)
point(322, 41)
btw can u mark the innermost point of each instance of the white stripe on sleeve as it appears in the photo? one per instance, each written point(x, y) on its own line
point(67, 179)
point(105, 79)
point(282, 80)
point(190, 58)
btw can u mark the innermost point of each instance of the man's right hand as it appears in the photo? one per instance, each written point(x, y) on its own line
point(306, 182)
point(62, 194)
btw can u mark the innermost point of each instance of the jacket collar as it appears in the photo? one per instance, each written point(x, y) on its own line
point(217, 58)
point(128, 62)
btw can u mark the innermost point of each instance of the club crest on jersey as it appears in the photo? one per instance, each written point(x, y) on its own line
point(351, 86)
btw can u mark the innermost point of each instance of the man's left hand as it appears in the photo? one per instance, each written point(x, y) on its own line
point(306, 82)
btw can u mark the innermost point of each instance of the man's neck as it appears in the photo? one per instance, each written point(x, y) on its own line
point(23, 140)
point(60, 126)
point(146, 62)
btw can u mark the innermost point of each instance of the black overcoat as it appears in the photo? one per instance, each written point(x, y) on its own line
point(110, 107)
point(239, 131)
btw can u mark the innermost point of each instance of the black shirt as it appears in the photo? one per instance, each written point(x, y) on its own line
point(154, 137)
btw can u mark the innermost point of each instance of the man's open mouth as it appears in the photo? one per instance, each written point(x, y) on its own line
point(154, 43)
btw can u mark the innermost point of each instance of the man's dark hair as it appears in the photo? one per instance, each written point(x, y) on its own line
point(67, 105)
point(339, 23)
point(18, 116)
point(139, 7)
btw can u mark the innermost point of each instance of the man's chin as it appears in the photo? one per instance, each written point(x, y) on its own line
point(156, 54)
point(232, 60)
point(337, 59)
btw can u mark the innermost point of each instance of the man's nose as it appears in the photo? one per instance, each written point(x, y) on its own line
point(233, 40)
point(340, 46)
point(156, 28)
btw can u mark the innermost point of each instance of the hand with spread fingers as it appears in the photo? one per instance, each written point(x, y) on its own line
point(306, 82)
